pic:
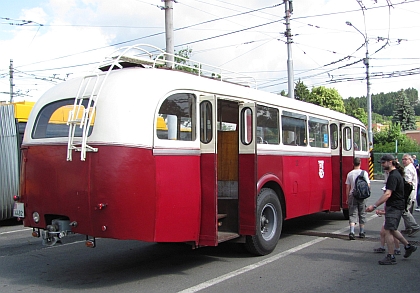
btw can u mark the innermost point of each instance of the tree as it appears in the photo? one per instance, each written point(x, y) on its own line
point(302, 92)
point(353, 109)
point(182, 57)
point(384, 141)
point(283, 93)
point(327, 97)
point(404, 112)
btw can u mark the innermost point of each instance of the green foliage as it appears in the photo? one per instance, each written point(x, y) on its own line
point(384, 141)
point(383, 104)
point(353, 109)
point(404, 112)
point(327, 97)
point(302, 92)
point(182, 57)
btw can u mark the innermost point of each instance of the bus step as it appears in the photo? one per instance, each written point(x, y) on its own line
point(225, 236)
point(221, 216)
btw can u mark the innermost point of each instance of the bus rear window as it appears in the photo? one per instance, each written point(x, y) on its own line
point(177, 118)
point(52, 120)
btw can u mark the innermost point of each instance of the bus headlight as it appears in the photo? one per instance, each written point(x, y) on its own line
point(35, 216)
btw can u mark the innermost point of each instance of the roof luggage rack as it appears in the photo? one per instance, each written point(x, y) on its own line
point(148, 56)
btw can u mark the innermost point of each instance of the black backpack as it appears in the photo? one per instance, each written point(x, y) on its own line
point(361, 187)
point(408, 188)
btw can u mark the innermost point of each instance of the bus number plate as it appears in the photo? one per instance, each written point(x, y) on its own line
point(18, 210)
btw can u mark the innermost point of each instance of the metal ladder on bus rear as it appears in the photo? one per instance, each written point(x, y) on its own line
point(82, 114)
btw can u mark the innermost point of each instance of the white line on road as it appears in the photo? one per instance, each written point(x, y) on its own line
point(271, 259)
point(15, 231)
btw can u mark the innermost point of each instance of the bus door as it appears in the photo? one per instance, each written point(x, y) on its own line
point(346, 160)
point(335, 140)
point(247, 168)
point(208, 170)
point(227, 169)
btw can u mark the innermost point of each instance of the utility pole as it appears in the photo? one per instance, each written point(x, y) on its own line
point(368, 98)
point(368, 84)
point(288, 6)
point(11, 80)
point(169, 31)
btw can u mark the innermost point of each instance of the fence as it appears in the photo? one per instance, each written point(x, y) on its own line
point(377, 168)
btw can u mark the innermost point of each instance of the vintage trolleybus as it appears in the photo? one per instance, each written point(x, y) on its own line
point(160, 155)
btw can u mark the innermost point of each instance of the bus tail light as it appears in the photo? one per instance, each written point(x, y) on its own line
point(35, 233)
point(91, 243)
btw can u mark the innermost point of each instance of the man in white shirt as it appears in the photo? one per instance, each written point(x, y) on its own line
point(357, 207)
point(410, 175)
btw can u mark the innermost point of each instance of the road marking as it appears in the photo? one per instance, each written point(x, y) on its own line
point(15, 231)
point(271, 259)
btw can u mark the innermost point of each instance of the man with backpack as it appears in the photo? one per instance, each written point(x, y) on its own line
point(357, 191)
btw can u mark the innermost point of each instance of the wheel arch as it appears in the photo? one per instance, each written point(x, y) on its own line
point(273, 182)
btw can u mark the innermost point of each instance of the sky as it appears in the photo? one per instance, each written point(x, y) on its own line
point(50, 41)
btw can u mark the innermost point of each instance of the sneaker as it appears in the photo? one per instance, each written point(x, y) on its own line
point(397, 252)
point(409, 251)
point(417, 209)
point(351, 236)
point(362, 235)
point(388, 260)
point(379, 250)
point(413, 232)
point(406, 231)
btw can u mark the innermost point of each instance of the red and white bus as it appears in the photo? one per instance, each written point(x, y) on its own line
point(159, 155)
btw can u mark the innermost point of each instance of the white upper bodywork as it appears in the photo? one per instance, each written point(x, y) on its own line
point(127, 107)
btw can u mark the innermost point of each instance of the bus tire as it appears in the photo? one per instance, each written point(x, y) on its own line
point(346, 214)
point(269, 223)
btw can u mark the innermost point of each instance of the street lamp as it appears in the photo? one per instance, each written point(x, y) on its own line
point(368, 97)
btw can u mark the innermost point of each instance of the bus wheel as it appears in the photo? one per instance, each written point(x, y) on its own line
point(269, 224)
point(346, 214)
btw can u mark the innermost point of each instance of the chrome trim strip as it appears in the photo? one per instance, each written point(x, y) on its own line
point(176, 152)
point(292, 153)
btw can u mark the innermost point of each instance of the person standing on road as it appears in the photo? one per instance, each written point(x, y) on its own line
point(410, 175)
point(357, 207)
point(395, 205)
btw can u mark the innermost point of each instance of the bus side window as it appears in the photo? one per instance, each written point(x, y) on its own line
point(293, 129)
point(347, 139)
point(267, 125)
point(318, 133)
point(334, 136)
point(176, 118)
point(356, 138)
point(364, 141)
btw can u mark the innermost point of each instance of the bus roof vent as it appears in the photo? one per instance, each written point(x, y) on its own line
point(148, 56)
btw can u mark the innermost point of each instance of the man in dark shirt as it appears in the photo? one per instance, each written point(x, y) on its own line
point(395, 205)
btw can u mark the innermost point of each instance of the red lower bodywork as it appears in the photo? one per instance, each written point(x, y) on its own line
point(116, 193)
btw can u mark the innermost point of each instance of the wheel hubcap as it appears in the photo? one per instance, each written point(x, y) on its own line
point(268, 221)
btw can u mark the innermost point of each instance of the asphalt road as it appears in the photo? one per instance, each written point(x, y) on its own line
point(313, 255)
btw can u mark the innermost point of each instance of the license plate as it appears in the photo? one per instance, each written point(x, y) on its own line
point(19, 210)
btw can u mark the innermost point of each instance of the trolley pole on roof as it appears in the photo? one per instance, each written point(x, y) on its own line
point(288, 6)
point(11, 80)
point(169, 31)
